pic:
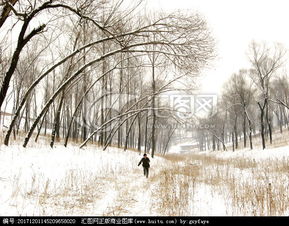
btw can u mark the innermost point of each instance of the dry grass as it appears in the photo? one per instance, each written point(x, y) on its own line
point(176, 189)
point(73, 194)
point(259, 198)
point(175, 157)
point(248, 187)
point(255, 188)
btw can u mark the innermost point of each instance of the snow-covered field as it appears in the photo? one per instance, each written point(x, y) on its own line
point(251, 182)
point(73, 181)
point(257, 154)
point(70, 181)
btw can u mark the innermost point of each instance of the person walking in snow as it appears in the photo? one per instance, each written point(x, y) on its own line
point(146, 165)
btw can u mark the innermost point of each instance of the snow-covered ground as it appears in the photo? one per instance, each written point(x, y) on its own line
point(251, 182)
point(70, 181)
point(257, 153)
point(73, 181)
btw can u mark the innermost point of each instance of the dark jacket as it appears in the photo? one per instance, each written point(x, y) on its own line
point(145, 162)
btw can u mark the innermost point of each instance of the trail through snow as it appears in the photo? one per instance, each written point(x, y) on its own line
point(59, 181)
point(70, 181)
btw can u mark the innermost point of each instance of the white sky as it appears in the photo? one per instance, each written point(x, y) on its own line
point(234, 24)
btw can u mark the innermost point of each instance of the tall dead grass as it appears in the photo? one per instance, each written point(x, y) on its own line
point(72, 194)
point(248, 187)
point(176, 189)
point(255, 188)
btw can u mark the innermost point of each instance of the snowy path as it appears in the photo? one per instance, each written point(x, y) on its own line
point(91, 182)
point(44, 181)
point(82, 182)
point(131, 198)
point(130, 195)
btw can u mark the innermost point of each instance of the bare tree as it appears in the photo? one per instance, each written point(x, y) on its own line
point(244, 92)
point(265, 62)
point(5, 10)
point(108, 54)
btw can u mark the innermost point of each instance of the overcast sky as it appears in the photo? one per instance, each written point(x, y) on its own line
point(234, 24)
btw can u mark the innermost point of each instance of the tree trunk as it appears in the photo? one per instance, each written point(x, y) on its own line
point(139, 134)
point(6, 11)
point(153, 108)
point(55, 131)
point(269, 123)
point(40, 127)
point(128, 132)
point(236, 132)
point(214, 143)
point(15, 58)
point(146, 133)
point(262, 125)
point(233, 141)
point(244, 130)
